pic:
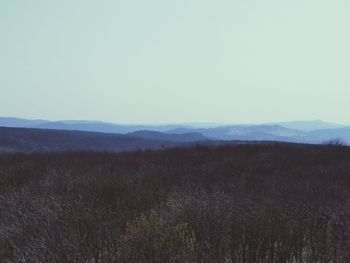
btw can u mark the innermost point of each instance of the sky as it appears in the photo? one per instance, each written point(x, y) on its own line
point(166, 61)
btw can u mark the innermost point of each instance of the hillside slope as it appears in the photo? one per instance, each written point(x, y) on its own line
point(24, 139)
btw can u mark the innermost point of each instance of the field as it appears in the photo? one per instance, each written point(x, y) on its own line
point(246, 203)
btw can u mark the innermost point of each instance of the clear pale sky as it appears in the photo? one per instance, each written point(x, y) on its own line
point(164, 61)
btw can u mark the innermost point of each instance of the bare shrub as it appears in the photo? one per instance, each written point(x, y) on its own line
point(335, 142)
point(149, 238)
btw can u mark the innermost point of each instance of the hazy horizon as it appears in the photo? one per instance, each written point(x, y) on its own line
point(164, 62)
point(199, 124)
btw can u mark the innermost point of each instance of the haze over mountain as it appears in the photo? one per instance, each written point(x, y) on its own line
point(271, 133)
point(83, 125)
point(243, 132)
point(19, 122)
point(309, 125)
point(173, 137)
point(296, 131)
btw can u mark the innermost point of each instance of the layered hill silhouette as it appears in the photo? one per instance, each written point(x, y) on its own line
point(79, 125)
point(314, 132)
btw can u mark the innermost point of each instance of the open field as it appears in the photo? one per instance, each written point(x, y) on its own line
point(244, 203)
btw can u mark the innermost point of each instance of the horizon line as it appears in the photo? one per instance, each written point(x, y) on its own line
point(211, 123)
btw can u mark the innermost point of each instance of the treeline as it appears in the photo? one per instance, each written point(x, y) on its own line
point(259, 203)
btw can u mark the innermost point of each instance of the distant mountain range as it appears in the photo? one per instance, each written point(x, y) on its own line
point(297, 131)
point(77, 125)
point(309, 125)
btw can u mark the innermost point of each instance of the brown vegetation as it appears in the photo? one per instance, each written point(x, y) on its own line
point(259, 203)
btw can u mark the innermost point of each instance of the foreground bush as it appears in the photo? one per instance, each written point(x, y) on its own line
point(155, 240)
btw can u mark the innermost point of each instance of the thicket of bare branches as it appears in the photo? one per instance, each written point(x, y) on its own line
point(244, 203)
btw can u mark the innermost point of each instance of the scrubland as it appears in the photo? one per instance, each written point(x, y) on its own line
point(263, 203)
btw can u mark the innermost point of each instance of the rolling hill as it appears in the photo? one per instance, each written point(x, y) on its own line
point(28, 140)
